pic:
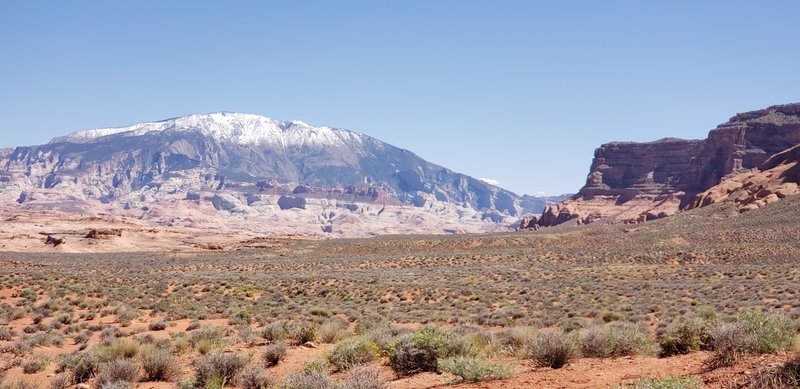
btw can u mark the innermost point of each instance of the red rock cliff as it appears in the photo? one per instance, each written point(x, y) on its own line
point(631, 182)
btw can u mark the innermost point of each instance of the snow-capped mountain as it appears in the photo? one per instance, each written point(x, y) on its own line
point(237, 128)
point(246, 164)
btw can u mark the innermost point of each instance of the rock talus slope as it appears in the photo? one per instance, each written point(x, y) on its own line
point(776, 178)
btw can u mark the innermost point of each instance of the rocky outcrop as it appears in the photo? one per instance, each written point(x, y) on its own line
point(777, 178)
point(104, 233)
point(226, 202)
point(289, 202)
point(635, 182)
point(53, 240)
point(529, 222)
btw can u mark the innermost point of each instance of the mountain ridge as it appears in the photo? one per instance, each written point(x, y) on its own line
point(253, 129)
point(249, 166)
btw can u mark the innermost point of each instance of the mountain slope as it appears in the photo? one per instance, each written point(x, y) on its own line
point(248, 161)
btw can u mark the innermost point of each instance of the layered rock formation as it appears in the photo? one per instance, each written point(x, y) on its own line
point(775, 179)
point(633, 182)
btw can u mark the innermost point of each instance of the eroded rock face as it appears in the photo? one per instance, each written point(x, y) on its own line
point(634, 182)
point(529, 222)
point(776, 178)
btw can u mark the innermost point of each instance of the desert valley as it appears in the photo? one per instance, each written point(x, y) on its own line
point(234, 250)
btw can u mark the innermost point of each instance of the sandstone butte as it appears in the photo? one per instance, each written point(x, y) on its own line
point(751, 160)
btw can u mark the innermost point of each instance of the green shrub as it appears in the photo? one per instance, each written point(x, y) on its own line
point(20, 385)
point(753, 332)
point(36, 364)
point(64, 318)
point(771, 331)
point(319, 365)
point(630, 339)
point(331, 332)
point(215, 382)
point(60, 381)
point(420, 351)
point(81, 338)
point(187, 383)
point(309, 380)
point(158, 326)
point(319, 311)
point(666, 383)
point(473, 369)
point(254, 377)
point(125, 370)
point(274, 353)
point(552, 349)
point(109, 333)
point(276, 331)
point(683, 338)
point(616, 339)
point(469, 342)
point(298, 331)
point(218, 365)
point(117, 349)
point(207, 338)
point(7, 334)
point(384, 336)
point(728, 341)
point(353, 352)
point(303, 332)
point(247, 335)
point(159, 365)
point(180, 345)
point(515, 339)
point(239, 316)
point(126, 314)
point(363, 377)
point(83, 366)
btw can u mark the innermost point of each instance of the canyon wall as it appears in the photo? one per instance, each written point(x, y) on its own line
point(634, 182)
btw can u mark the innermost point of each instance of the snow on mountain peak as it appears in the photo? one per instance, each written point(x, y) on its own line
point(238, 128)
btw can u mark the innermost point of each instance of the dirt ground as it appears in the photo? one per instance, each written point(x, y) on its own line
point(709, 260)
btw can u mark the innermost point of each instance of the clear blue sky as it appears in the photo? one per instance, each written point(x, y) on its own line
point(517, 91)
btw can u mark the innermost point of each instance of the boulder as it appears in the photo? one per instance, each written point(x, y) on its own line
point(253, 199)
point(290, 202)
point(53, 240)
point(226, 202)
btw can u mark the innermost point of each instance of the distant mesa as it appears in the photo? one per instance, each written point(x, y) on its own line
point(748, 159)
